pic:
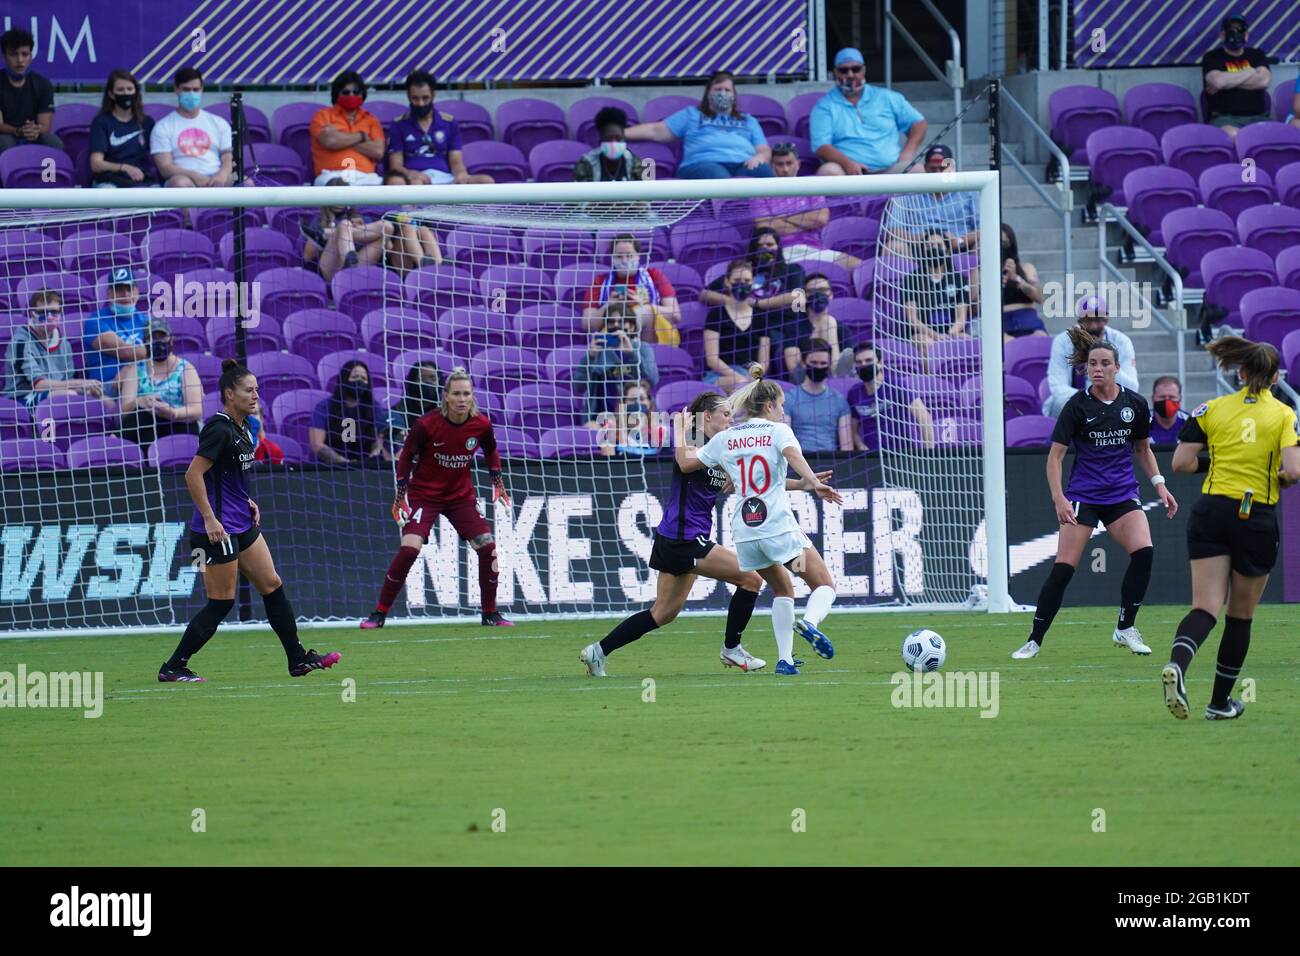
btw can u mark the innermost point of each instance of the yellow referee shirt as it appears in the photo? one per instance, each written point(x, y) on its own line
point(1245, 434)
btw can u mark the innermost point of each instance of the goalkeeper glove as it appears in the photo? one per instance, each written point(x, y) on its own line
point(499, 492)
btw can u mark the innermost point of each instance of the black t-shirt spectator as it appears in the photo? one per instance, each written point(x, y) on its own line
point(18, 104)
point(736, 346)
point(936, 300)
point(121, 143)
point(1236, 102)
point(770, 280)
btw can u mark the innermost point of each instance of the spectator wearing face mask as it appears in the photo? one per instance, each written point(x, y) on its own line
point(636, 427)
point(612, 161)
point(119, 137)
point(345, 427)
point(1063, 378)
point(936, 298)
point(776, 284)
point(347, 140)
point(1237, 79)
point(424, 144)
point(1167, 415)
point(192, 147)
point(160, 395)
point(648, 291)
point(797, 220)
point(614, 358)
point(818, 414)
point(871, 401)
point(38, 359)
point(735, 333)
point(26, 97)
point(816, 322)
point(912, 217)
point(719, 141)
point(114, 334)
point(420, 396)
point(854, 128)
point(1022, 290)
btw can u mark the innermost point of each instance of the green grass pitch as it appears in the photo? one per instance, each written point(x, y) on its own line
point(455, 729)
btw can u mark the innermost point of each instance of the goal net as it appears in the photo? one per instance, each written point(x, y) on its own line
point(583, 324)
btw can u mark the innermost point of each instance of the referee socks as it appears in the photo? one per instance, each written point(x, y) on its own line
point(1232, 654)
point(1191, 634)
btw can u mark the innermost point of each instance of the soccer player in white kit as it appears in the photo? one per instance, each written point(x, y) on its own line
point(755, 455)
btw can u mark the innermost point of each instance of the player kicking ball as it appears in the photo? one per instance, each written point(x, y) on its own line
point(433, 479)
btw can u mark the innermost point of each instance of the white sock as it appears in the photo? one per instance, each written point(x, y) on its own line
point(783, 628)
point(819, 604)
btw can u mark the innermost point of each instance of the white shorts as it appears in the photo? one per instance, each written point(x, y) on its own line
point(765, 552)
point(437, 177)
point(352, 177)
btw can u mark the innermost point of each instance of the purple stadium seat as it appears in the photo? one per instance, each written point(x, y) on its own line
point(1283, 94)
point(704, 242)
point(854, 235)
point(525, 122)
point(264, 335)
point(798, 110)
point(433, 289)
point(1076, 112)
point(553, 160)
point(675, 396)
point(78, 296)
point(502, 161)
point(71, 123)
point(1157, 107)
point(360, 289)
point(1026, 357)
point(24, 167)
point(843, 383)
point(808, 162)
point(543, 406)
point(662, 155)
point(840, 279)
point(467, 332)
point(288, 289)
point(1195, 147)
point(29, 454)
point(1114, 153)
point(1270, 145)
point(573, 442)
point(289, 220)
point(554, 249)
point(475, 249)
point(291, 125)
point(582, 117)
point(559, 365)
point(188, 334)
point(1020, 395)
point(1153, 193)
point(15, 419)
point(664, 106)
point(1287, 184)
point(654, 242)
point(1288, 267)
point(292, 412)
point(676, 364)
point(169, 251)
point(92, 253)
point(1291, 355)
point(1270, 314)
point(402, 365)
point(1270, 228)
point(278, 372)
point(215, 223)
point(955, 358)
point(263, 249)
point(259, 127)
point(474, 120)
point(957, 431)
point(63, 418)
point(507, 289)
point(386, 111)
point(28, 250)
point(104, 451)
point(1189, 234)
point(208, 366)
point(686, 282)
point(516, 442)
point(294, 451)
point(1231, 273)
point(507, 364)
point(327, 368)
point(173, 451)
point(1222, 188)
point(1029, 431)
point(405, 329)
point(271, 164)
point(315, 333)
point(855, 318)
point(157, 111)
point(544, 328)
point(769, 112)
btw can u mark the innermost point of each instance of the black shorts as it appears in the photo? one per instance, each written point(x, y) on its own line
point(1088, 515)
point(227, 551)
point(1214, 529)
point(673, 556)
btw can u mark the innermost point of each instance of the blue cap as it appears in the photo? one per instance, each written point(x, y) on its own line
point(122, 275)
point(849, 55)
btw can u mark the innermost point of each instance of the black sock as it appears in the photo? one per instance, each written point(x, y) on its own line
point(1232, 654)
point(200, 629)
point(631, 629)
point(280, 613)
point(1049, 599)
point(739, 611)
point(1134, 588)
point(1191, 634)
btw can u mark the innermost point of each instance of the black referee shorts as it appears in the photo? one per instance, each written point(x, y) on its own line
point(1214, 529)
point(673, 556)
point(226, 551)
point(1088, 514)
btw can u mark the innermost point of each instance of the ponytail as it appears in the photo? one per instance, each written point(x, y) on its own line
point(750, 400)
point(1256, 362)
point(1084, 343)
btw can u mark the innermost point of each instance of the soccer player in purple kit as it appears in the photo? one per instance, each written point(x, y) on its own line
point(683, 549)
point(1108, 426)
point(225, 532)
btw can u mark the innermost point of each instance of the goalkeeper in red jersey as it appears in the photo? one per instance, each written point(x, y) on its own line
point(433, 479)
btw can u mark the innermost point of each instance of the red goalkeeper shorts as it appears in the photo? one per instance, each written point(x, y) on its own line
point(462, 514)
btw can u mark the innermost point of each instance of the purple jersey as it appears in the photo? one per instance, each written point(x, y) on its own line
point(425, 149)
point(1167, 436)
point(1102, 435)
point(688, 511)
point(229, 447)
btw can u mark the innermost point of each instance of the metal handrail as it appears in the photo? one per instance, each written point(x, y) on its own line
point(1066, 206)
point(954, 79)
point(1161, 262)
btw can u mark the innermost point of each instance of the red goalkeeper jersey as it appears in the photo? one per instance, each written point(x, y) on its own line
point(437, 456)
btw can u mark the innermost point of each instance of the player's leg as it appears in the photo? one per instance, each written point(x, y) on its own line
point(474, 528)
point(782, 585)
point(258, 566)
point(1210, 578)
point(1133, 533)
point(414, 533)
point(1070, 542)
point(220, 576)
point(1243, 597)
point(810, 566)
point(723, 565)
point(670, 598)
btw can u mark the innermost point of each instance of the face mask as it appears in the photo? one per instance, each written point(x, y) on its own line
point(722, 102)
point(1166, 408)
point(419, 112)
point(426, 393)
point(867, 372)
point(13, 75)
point(350, 101)
point(847, 87)
point(765, 255)
point(638, 409)
point(625, 265)
point(935, 254)
point(160, 350)
point(1235, 39)
point(190, 100)
point(124, 101)
point(120, 309)
point(1006, 252)
point(818, 301)
point(741, 290)
point(817, 373)
point(354, 389)
point(613, 149)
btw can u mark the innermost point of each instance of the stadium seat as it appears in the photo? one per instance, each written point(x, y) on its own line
point(582, 117)
point(292, 412)
point(547, 327)
point(29, 454)
point(215, 223)
point(1189, 234)
point(172, 451)
point(25, 167)
point(954, 358)
point(1158, 107)
point(474, 120)
point(1153, 193)
point(553, 160)
point(404, 328)
point(663, 155)
point(1113, 154)
point(386, 111)
point(507, 363)
point(769, 112)
point(63, 417)
point(315, 333)
point(654, 242)
point(560, 363)
point(702, 243)
point(527, 121)
point(573, 282)
point(188, 334)
point(28, 250)
point(172, 251)
point(432, 289)
point(1291, 356)
point(15, 419)
point(360, 289)
point(675, 396)
point(271, 164)
point(507, 289)
point(661, 107)
point(1287, 184)
point(294, 451)
point(1269, 315)
point(476, 249)
point(1288, 267)
point(78, 296)
point(686, 282)
point(1269, 228)
point(797, 111)
point(955, 431)
point(808, 161)
point(289, 220)
point(1195, 147)
point(156, 111)
point(93, 253)
point(576, 441)
point(401, 366)
point(675, 364)
point(263, 249)
point(259, 127)
point(286, 290)
point(279, 372)
point(1283, 94)
point(1270, 145)
point(208, 366)
point(1026, 357)
point(291, 126)
point(104, 451)
point(465, 332)
point(1222, 188)
point(264, 335)
point(543, 406)
point(852, 235)
point(1231, 273)
point(1075, 113)
point(1029, 431)
point(554, 249)
point(327, 368)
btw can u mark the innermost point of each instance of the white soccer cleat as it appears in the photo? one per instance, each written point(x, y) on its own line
point(739, 657)
point(1030, 649)
point(594, 658)
point(1130, 638)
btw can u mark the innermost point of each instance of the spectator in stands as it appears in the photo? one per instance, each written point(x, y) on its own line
point(798, 220)
point(871, 400)
point(777, 284)
point(854, 128)
point(38, 360)
point(814, 322)
point(719, 141)
point(424, 144)
point(912, 217)
point(635, 427)
point(192, 147)
point(161, 395)
point(936, 298)
point(411, 245)
point(818, 414)
point(345, 427)
point(1063, 379)
point(617, 356)
point(347, 140)
point(734, 331)
point(1021, 291)
point(648, 289)
point(419, 397)
point(340, 237)
point(26, 97)
point(119, 136)
point(1167, 416)
point(114, 334)
point(612, 160)
point(1294, 117)
point(1237, 80)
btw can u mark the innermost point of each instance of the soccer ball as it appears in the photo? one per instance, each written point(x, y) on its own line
point(924, 650)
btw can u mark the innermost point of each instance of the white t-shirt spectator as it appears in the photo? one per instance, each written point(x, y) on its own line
point(1063, 380)
point(195, 144)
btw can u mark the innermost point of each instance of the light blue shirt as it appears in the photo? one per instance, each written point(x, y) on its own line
point(130, 329)
point(715, 139)
point(815, 419)
point(866, 132)
point(918, 213)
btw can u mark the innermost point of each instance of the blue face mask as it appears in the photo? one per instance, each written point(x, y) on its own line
point(190, 100)
point(120, 309)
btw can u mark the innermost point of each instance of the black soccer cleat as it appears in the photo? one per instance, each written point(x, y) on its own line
point(376, 619)
point(1175, 692)
point(177, 675)
point(496, 620)
point(1229, 711)
point(311, 661)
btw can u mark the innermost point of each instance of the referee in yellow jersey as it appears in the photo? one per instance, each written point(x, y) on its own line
point(1232, 535)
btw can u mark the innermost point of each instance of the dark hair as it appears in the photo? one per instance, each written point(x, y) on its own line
point(185, 74)
point(345, 372)
point(1234, 18)
point(412, 402)
point(343, 79)
point(816, 275)
point(625, 237)
point(1084, 344)
point(1166, 378)
point(1256, 362)
point(865, 345)
point(107, 105)
point(232, 373)
point(706, 401)
point(705, 108)
point(610, 116)
point(15, 39)
point(45, 297)
point(415, 78)
point(785, 149)
point(735, 264)
point(815, 345)
point(765, 231)
point(1009, 235)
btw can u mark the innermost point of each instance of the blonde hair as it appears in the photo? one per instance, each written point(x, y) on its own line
point(750, 400)
point(455, 375)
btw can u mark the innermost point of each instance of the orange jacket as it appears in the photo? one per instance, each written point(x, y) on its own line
point(323, 159)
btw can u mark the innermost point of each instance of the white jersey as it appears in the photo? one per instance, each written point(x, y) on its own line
point(752, 455)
